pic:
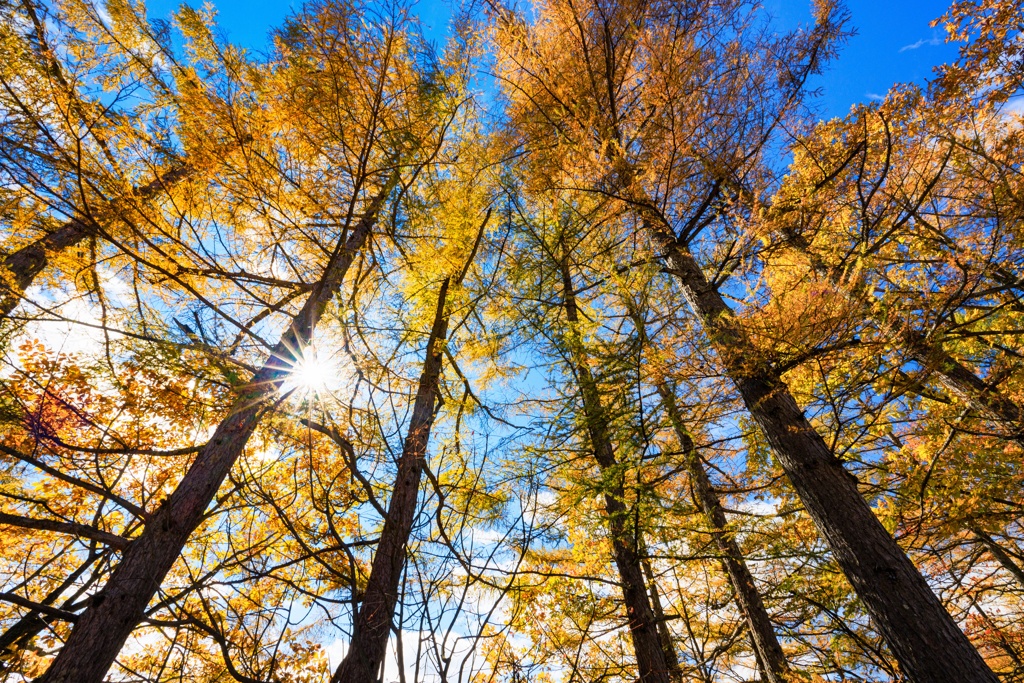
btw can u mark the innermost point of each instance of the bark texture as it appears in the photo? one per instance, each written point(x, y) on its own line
point(925, 640)
point(770, 657)
point(23, 265)
point(115, 611)
point(651, 661)
point(927, 643)
point(373, 622)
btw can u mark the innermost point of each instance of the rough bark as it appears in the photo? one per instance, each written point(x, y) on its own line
point(770, 657)
point(923, 637)
point(115, 611)
point(373, 622)
point(23, 265)
point(650, 656)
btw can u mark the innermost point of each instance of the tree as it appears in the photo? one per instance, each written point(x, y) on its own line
point(373, 624)
point(88, 168)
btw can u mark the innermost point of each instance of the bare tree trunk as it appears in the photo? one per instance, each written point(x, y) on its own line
point(771, 660)
point(26, 263)
point(103, 628)
point(927, 643)
point(372, 624)
point(650, 657)
point(770, 657)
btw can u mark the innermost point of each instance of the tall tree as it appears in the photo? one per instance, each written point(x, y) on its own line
point(91, 168)
point(373, 623)
point(651, 657)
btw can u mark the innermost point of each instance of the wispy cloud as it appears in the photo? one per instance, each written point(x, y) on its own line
point(874, 96)
point(934, 40)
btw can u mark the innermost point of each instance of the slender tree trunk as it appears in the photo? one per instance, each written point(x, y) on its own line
point(373, 622)
point(771, 660)
point(22, 266)
point(962, 382)
point(650, 657)
point(925, 640)
point(770, 657)
point(70, 528)
point(667, 643)
point(103, 628)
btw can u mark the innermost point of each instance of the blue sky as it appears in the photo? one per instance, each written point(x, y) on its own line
point(894, 42)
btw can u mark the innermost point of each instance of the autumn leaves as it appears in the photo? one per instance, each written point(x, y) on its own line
point(600, 267)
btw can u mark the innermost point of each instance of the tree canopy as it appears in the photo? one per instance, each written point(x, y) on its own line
point(575, 348)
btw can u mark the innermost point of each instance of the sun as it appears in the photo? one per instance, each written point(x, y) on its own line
point(313, 374)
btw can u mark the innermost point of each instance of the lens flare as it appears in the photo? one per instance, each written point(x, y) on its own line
point(313, 374)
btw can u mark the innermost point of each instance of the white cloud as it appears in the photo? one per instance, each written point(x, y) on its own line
point(934, 40)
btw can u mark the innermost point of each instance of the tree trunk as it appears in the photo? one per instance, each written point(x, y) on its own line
point(925, 640)
point(372, 624)
point(26, 263)
point(103, 628)
point(667, 644)
point(962, 382)
point(650, 657)
point(770, 657)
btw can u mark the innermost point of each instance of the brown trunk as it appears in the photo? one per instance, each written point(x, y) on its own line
point(650, 657)
point(667, 644)
point(26, 263)
point(926, 642)
point(771, 659)
point(103, 628)
point(372, 624)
